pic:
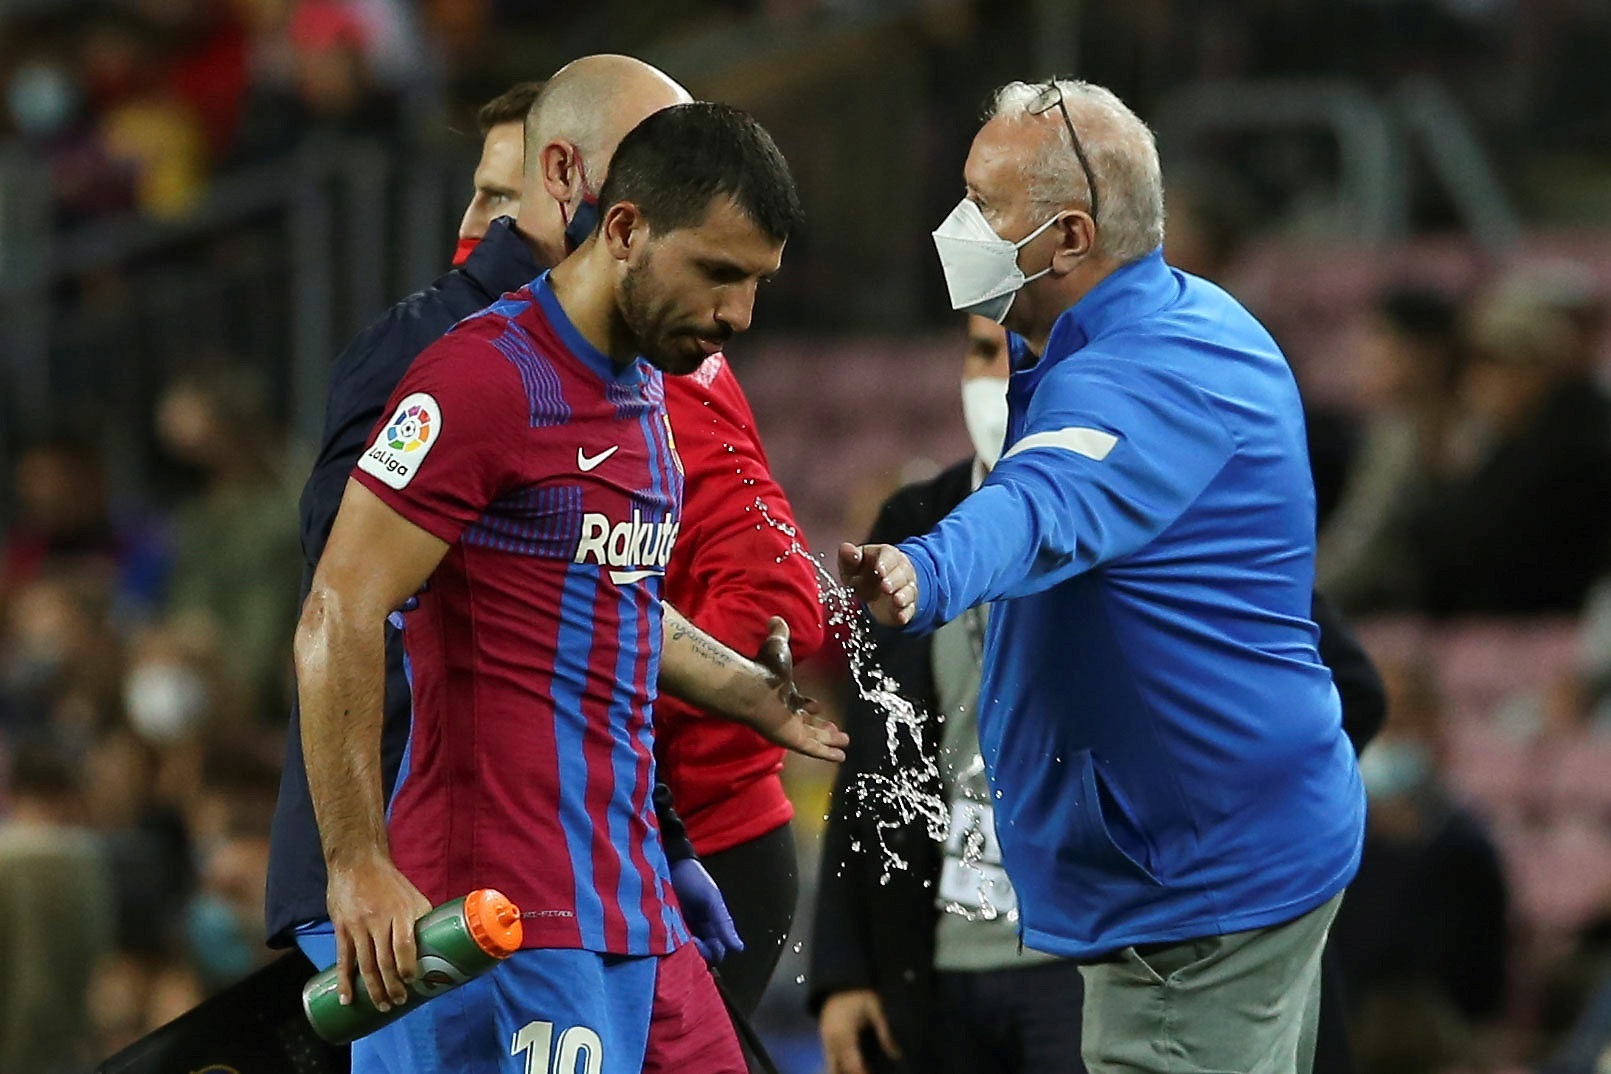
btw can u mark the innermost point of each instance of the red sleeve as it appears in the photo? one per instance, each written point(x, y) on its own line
point(450, 437)
point(731, 569)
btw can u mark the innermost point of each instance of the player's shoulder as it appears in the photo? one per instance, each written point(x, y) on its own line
point(514, 326)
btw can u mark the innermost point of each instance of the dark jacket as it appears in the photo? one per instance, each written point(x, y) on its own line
point(872, 934)
point(1527, 532)
point(360, 386)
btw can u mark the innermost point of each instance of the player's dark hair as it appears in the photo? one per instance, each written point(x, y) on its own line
point(676, 161)
point(510, 106)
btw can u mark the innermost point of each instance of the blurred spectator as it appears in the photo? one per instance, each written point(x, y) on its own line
point(1520, 521)
point(149, 849)
point(316, 83)
point(1409, 364)
point(56, 915)
point(143, 123)
point(238, 555)
point(230, 823)
point(1211, 214)
point(1428, 910)
point(1577, 703)
point(45, 108)
point(207, 50)
point(65, 520)
point(60, 665)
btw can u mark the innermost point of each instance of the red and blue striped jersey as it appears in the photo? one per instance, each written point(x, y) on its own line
point(554, 479)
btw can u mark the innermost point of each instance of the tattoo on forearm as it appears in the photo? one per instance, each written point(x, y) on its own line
point(704, 646)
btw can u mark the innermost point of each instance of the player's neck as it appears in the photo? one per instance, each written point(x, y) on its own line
point(585, 291)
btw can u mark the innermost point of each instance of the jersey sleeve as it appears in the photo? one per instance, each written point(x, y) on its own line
point(449, 441)
point(1111, 454)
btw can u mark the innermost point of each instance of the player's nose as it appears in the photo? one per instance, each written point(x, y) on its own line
point(736, 308)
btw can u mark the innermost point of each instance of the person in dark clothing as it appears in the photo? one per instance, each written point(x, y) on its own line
point(905, 975)
point(1429, 907)
point(1521, 521)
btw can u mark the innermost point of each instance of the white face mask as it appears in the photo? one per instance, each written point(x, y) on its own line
point(164, 701)
point(981, 268)
point(984, 411)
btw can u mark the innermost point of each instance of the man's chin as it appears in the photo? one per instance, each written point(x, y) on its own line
point(677, 361)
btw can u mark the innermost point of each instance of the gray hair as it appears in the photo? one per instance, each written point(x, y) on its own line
point(1123, 157)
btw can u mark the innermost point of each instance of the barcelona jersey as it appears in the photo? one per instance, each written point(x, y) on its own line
point(553, 477)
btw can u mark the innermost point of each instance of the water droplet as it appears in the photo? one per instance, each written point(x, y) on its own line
point(998, 795)
point(797, 947)
point(799, 978)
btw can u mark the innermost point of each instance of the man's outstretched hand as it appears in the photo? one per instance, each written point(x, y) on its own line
point(881, 577)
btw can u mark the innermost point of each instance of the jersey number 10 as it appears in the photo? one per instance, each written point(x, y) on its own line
point(544, 1056)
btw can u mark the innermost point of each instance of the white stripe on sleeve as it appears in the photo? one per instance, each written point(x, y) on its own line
point(1092, 443)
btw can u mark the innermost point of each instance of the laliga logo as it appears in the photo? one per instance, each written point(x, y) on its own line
point(644, 548)
point(410, 430)
point(402, 445)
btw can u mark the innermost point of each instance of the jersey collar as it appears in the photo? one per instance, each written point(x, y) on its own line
point(576, 343)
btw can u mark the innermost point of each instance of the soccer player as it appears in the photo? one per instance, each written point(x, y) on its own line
point(609, 95)
point(528, 472)
point(735, 562)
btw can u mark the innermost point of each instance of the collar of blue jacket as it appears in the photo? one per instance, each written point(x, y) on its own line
point(1126, 295)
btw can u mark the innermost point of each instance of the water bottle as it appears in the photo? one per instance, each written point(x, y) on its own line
point(457, 941)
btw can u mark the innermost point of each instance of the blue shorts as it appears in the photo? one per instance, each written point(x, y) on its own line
point(554, 1011)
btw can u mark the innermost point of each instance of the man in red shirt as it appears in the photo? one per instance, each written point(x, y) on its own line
point(737, 559)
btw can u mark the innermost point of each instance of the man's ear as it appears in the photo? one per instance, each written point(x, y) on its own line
point(557, 164)
point(1076, 237)
point(624, 231)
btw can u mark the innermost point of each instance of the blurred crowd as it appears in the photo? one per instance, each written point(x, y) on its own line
point(135, 104)
point(144, 678)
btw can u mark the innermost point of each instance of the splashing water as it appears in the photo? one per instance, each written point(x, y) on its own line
point(908, 792)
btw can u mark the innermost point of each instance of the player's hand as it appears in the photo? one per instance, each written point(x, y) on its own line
point(787, 717)
point(705, 911)
point(776, 657)
point(882, 577)
point(845, 1018)
point(373, 908)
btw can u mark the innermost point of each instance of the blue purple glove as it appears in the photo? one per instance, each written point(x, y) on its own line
point(705, 911)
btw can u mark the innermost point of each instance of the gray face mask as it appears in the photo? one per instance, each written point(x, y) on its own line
point(41, 99)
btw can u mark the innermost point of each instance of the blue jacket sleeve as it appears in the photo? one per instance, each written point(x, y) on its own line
point(1111, 454)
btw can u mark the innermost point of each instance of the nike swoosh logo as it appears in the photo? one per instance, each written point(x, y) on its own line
point(623, 577)
point(585, 462)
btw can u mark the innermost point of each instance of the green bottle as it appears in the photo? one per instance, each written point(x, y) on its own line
point(457, 941)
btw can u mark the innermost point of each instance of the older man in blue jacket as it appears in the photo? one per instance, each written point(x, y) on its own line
point(1177, 804)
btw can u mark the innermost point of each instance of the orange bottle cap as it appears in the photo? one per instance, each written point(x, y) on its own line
point(494, 922)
